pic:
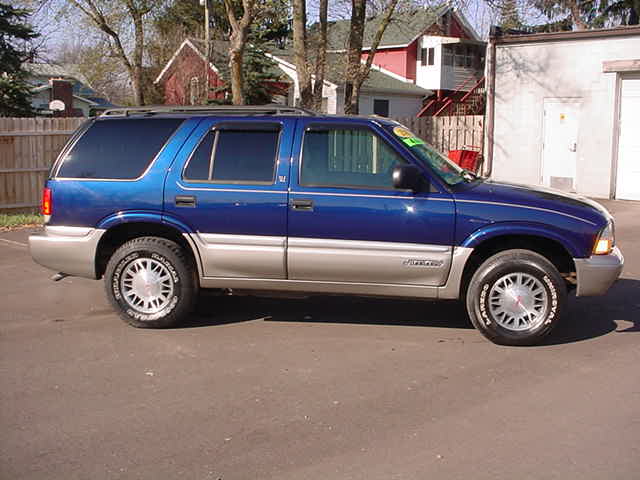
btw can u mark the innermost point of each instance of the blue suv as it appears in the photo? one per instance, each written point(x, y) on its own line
point(161, 202)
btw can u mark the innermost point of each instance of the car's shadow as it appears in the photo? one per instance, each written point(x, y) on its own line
point(590, 317)
point(587, 318)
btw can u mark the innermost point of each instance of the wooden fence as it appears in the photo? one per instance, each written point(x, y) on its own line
point(448, 133)
point(28, 147)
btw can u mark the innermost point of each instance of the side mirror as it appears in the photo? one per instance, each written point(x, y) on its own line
point(408, 177)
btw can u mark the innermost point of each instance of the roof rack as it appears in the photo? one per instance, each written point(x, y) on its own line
point(272, 109)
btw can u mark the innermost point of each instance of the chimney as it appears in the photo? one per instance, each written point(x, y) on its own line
point(62, 89)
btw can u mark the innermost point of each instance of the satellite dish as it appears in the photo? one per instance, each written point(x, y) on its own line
point(56, 105)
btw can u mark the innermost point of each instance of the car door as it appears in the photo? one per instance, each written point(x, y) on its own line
point(346, 221)
point(228, 185)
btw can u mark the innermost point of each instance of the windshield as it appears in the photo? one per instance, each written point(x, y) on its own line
point(448, 171)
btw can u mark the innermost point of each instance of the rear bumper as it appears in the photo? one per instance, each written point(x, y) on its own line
point(598, 272)
point(70, 250)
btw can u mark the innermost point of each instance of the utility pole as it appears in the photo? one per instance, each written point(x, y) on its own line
point(207, 50)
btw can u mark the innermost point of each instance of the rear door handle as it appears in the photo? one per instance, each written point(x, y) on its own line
point(185, 201)
point(302, 204)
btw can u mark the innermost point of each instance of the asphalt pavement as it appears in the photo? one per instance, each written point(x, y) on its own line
point(319, 388)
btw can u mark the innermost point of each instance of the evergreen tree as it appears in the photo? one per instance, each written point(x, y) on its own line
point(509, 17)
point(580, 14)
point(258, 71)
point(617, 12)
point(14, 89)
point(564, 15)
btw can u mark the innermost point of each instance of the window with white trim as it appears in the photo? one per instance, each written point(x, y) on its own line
point(194, 91)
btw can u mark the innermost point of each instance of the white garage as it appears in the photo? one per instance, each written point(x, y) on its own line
point(628, 167)
point(563, 110)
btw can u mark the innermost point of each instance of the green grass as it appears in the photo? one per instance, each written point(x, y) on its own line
point(14, 220)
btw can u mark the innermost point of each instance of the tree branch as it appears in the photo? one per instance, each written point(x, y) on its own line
point(95, 15)
point(321, 55)
point(384, 23)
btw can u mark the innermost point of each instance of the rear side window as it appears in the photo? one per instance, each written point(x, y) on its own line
point(117, 149)
point(235, 156)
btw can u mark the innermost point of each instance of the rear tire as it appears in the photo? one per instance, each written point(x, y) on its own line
point(516, 297)
point(151, 283)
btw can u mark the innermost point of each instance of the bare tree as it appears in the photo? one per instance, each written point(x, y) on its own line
point(108, 16)
point(321, 56)
point(310, 91)
point(300, 52)
point(356, 72)
point(91, 62)
point(238, 41)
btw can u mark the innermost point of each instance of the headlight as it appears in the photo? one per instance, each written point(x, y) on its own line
point(605, 241)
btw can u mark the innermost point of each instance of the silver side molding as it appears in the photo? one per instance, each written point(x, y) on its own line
point(374, 284)
point(351, 288)
point(241, 255)
point(451, 290)
point(320, 259)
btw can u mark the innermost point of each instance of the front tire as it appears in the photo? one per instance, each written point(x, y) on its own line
point(151, 283)
point(516, 297)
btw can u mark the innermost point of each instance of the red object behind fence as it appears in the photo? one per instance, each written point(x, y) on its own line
point(467, 159)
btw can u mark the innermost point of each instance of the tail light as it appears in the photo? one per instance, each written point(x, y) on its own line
point(47, 206)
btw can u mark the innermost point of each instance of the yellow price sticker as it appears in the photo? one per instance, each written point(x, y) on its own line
point(407, 137)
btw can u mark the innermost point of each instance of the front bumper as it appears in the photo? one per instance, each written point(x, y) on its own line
point(598, 272)
point(70, 250)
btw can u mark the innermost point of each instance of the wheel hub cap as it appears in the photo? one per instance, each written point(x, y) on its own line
point(518, 302)
point(147, 285)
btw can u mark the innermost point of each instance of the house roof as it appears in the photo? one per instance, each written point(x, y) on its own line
point(49, 70)
point(90, 101)
point(404, 28)
point(377, 80)
point(40, 74)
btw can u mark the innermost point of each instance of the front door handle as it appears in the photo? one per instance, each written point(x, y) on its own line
point(185, 201)
point(302, 204)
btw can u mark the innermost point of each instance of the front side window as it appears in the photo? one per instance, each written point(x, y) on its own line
point(235, 156)
point(345, 157)
point(448, 171)
point(117, 149)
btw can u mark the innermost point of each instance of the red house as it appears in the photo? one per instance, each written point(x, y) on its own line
point(188, 79)
point(431, 57)
point(435, 48)
point(183, 77)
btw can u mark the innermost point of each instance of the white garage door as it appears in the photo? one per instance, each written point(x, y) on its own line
point(628, 181)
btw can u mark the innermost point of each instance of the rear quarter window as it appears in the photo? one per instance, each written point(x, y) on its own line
point(117, 149)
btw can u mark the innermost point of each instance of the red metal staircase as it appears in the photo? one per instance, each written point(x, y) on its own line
point(459, 102)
